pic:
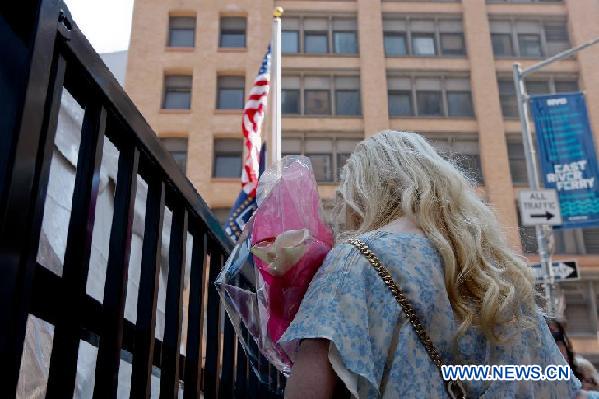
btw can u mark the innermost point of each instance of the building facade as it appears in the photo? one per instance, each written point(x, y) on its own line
point(354, 67)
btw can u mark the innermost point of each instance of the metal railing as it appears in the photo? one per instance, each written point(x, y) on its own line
point(43, 52)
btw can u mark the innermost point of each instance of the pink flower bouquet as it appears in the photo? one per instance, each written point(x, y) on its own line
point(265, 278)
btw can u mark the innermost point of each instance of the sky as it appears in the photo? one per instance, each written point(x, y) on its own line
point(105, 23)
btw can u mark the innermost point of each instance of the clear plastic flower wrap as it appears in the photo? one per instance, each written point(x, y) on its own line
point(269, 270)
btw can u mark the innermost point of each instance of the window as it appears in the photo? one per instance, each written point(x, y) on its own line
point(395, 44)
point(319, 35)
point(502, 44)
point(321, 95)
point(463, 152)
point(529, 38)
point(452, 44)
point(327, 154)
point(423, 44)
point(232, 32)
point(517, 160)
point(551, 85)
point(345, 40)
point(507, 98)
point(227, 158)
point(429, 96)
point(177, 147)
point(230, 92)
point(222, 214)
point(530, 45)
point(419, 37)
point(347, 96)
point(181, 31)
point(316, 35)
point(570, 241)
point(177, 92)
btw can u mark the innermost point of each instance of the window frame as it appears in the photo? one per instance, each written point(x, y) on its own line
point(444, 90)
point(215, 153)
point(437, 33)
point(332, 96)
point(329, 31)
point(542, 23)
point(218, 92)
point(165, 91)
point(334, 155)
point(232, 31)
point(170, 28)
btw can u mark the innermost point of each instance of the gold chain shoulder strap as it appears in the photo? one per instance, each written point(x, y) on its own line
point(454, 388)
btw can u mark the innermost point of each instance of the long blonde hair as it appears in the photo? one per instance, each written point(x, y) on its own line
point(395, 174)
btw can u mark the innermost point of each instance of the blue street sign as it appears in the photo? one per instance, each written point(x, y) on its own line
point(567, 156)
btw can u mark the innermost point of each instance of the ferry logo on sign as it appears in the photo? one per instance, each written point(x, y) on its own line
point(539, 207)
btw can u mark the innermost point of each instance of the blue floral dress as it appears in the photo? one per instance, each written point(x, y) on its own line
point(348, 304)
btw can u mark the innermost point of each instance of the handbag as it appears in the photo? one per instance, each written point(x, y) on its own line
point(455, 389)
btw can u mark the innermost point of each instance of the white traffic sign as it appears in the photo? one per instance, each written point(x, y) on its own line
point(538, 207)
point(562, 270)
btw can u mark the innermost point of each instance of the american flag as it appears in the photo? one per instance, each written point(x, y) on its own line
point(251, 125)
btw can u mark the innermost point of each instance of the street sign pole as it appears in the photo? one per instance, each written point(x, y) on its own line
point(544, 233)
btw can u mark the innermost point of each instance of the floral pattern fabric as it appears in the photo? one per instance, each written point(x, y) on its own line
point(348, 304)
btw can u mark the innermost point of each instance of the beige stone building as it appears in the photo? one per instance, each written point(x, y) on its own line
point(353, 67)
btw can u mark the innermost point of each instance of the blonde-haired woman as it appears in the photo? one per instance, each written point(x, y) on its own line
point(470, 294)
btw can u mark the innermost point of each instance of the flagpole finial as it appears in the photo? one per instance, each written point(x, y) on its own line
point(278, 12)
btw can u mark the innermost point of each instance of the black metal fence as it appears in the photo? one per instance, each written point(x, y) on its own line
point(42, 52)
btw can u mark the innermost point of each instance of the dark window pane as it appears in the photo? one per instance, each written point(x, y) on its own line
point(290, 41)
point(507, 98)
point(429, 103)
point(400, 103)
point(452, 44)
point(230, 99)
point(423, 44)
point(347, 102)
point(227, 158)
point(317, 102)
point(530, 45)
point(177, 92)
point(517, 160)
point(177, 147)
point(345, 42)
point(459, 103)
point(566, 86)
point(322, 166)
point(395, 44)
point(230, 92)
point(181, 32)
point(232, 32)
point(502, 44)
point(591, 240)
point(232, 39)
point(290, 101)
point(227, 166)
point(316, 42)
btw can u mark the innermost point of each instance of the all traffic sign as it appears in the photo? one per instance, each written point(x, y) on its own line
point(563, 270)
point(538, 207)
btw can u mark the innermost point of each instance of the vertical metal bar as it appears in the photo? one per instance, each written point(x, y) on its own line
point(148, 291)
point(533, 181)
point(212, 325)
point(169, 377)
point(242, 367)
point(115, 288)
point(193, 356)
point(592, 306)
point(63, 361)
point(23, 183)
point(226, 384)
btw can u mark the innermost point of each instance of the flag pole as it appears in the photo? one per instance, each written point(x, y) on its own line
point(275, 146)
